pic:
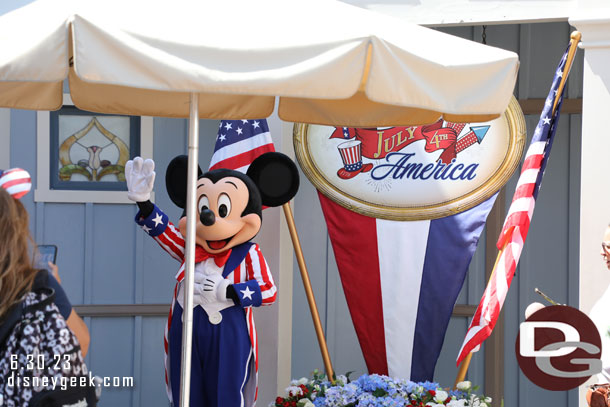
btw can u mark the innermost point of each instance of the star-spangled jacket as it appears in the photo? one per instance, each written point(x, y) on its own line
point(251, 277)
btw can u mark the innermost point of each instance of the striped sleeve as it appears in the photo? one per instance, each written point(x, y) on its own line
point(158, 226)
point(259, 288)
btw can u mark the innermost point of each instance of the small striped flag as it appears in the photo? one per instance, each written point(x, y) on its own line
point(239, 142)
point(16, 181)
point(517, 223)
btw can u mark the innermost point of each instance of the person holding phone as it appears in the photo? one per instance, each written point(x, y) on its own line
point(17, 273)
point(74, 321)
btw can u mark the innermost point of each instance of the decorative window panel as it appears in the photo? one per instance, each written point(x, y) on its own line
point(81, 155)
point(89, 150)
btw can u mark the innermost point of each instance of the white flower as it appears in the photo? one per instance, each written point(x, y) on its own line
point(302, 380)
point(440, 396)
point(457, 403)
point(431, 404)
point(464, 386)
point(293, 391)
point(341, 379)
point(305, 403)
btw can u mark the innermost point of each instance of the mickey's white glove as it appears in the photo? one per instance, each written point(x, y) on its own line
point(140, 177)
point(200, 295)
point(210, 292)
point(215, 287)
point(208, 289)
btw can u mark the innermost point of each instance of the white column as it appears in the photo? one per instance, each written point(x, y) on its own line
point(595, 166)
point(593, 21)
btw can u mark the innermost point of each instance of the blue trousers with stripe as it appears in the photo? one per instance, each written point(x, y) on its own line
point(221, 355)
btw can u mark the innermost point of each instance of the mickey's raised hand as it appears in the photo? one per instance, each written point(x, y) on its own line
point(140, 177)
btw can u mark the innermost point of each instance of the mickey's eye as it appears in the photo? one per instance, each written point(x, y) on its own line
point(203, 203)
point(224, 205)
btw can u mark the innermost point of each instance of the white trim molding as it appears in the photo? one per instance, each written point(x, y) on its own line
point(44, 193)
point(594, 25)
point(5, 138)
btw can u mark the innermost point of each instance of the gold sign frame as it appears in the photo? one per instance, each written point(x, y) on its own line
point(515, 123)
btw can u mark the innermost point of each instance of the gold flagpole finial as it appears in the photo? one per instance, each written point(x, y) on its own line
point(576, 36)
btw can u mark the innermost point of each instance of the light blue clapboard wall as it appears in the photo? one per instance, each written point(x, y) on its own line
point(104, 258)
point(549, 260)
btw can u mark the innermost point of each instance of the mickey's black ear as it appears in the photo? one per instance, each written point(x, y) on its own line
point(175, 179)
point(276, 177)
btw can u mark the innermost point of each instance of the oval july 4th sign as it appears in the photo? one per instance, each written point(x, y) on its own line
point(412, 173)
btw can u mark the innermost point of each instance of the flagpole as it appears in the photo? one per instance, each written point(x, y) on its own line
point(574, 41)
point(315, 316)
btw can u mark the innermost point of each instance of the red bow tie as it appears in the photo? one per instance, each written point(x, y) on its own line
point(219, 258)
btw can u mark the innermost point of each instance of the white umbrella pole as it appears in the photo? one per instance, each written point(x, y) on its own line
point(191, 219)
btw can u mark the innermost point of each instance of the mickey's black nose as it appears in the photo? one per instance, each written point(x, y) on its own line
point(207, 217)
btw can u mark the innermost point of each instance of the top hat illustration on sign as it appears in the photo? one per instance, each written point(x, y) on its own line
point(351, 155)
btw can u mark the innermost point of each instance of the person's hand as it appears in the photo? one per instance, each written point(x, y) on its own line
point(140, 177)
point(55, 271)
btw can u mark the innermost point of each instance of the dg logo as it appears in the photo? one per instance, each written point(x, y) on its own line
point(558, 348)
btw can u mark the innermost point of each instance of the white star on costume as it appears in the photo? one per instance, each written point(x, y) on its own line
point(228, 126)
point(146, 228)
point(247, 293)
point(222, 137)
point(239, 130)
point(244, 121)
point(255, 124)
point(546, 120)
point(158, 220)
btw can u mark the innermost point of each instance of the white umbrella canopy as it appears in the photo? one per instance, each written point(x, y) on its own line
point(328, 62)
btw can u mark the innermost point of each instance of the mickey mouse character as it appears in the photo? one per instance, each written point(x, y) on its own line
point(231, 274)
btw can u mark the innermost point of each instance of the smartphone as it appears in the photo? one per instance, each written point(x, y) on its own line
point(45, 253)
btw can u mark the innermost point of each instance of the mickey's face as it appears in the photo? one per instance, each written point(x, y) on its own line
point(230, 202)
point(220, 206)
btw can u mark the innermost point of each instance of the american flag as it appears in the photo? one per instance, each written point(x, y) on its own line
point(16, 181)
point(517, 223)
point(239, 142)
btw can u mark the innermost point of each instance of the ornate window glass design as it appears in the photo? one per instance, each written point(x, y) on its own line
point(88, 150)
